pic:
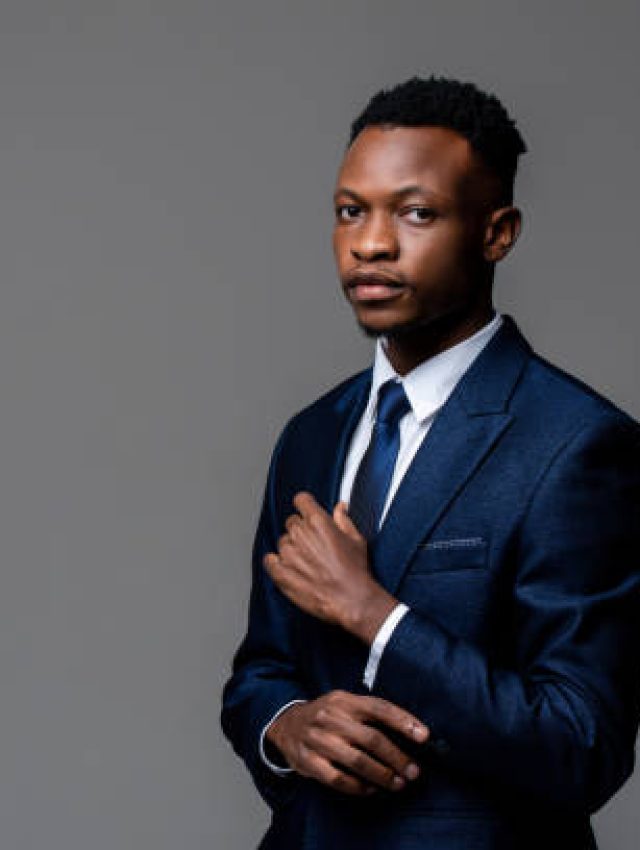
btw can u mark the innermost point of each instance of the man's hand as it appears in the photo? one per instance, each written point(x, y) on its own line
point(322, 566)
point(330, 739)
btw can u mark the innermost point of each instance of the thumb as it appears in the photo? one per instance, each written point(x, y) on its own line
point(344, 521)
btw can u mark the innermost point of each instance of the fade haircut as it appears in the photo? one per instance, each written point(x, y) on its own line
point(462, 107)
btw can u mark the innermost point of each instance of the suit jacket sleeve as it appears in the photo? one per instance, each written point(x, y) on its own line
point(264, 673)
point(562, 723)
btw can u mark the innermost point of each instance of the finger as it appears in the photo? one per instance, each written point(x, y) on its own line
point(291, 522)
point(321, 769)
point(344, 521)
point(283, 540)
point(341, 753)
point(270, 562)
point(273, 566)
point(392, 715)
point(286, 549)
point(306, 504)
point(376, 743)
point(278, 573)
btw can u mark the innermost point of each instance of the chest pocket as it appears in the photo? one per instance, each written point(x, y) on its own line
point(459, 553)
point(450, 582)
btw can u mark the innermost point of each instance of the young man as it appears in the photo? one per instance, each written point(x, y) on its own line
point(445, 612)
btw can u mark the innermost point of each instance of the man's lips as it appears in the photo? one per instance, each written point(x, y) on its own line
point(373, 287)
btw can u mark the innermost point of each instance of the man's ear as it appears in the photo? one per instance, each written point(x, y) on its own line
point(502, 230)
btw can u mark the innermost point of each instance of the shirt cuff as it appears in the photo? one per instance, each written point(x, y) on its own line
point(380, 641)
point(281, 771)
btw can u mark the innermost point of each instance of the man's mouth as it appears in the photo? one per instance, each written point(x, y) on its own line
point(373, 288)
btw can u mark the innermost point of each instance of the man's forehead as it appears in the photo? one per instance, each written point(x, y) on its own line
point(387, 158)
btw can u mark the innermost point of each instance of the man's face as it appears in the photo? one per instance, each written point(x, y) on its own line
point(411, 211)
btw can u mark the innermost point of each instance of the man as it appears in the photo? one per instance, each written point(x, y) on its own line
point(445, 610)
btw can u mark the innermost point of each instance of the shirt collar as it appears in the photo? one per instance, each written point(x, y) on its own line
point(430, 383)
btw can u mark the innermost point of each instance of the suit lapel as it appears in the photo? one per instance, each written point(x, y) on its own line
point(462, 434)
point(447, 457)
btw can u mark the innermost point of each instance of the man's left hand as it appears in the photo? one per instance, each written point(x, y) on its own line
point(322, 567)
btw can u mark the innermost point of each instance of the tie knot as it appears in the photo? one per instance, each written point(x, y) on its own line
point(392, 403)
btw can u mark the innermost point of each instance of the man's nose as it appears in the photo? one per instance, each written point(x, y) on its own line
point(376, 239)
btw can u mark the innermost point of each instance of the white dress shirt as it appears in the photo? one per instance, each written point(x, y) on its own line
point(427, 387)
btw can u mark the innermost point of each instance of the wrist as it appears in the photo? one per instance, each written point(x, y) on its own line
point(274, 755)
point(366, 618)
point(276, 733)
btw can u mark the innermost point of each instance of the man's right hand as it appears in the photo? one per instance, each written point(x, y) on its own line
point(330, 739)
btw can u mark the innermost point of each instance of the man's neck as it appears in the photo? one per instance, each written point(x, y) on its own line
point(407, 349)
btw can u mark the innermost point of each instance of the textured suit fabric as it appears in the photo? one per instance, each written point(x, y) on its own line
point(514, 539)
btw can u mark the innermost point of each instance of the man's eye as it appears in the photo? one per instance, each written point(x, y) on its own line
point(347, 212)
point(418, 215)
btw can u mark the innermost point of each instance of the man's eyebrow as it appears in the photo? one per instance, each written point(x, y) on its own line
point(342, 190)
point(413, 189)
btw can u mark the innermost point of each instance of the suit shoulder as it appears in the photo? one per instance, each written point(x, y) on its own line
point(569, 400)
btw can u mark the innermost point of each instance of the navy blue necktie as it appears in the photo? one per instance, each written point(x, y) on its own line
point(371, 484)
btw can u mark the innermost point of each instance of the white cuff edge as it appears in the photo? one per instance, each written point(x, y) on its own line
point(281, 771)
point(380, 641)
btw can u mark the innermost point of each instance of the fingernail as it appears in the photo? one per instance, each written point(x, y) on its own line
point(398, 782)
point(412, 771)
point(420, 733)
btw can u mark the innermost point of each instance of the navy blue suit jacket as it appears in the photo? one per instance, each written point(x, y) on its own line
point(514, 539)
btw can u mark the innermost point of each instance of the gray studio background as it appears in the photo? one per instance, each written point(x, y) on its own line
point(168, 300)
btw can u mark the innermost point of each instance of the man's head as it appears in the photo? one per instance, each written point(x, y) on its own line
point(424, 204)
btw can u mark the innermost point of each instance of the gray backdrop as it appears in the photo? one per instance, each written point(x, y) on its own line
point(168, 300)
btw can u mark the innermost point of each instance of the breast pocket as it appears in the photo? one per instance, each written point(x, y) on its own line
point(459, 553)
point(449, 581)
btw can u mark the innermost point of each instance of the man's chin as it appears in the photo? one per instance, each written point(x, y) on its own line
point(372, 333)
point(391, 330)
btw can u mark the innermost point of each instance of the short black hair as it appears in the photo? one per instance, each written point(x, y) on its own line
point(463, 107)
